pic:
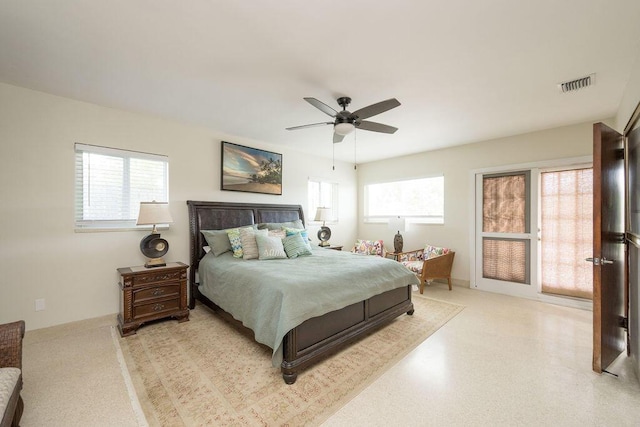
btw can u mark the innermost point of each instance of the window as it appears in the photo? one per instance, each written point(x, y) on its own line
point(322, 194)
point(111, 183)
point(419, 200)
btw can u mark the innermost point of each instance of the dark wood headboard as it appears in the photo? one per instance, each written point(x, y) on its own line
point(221, 215)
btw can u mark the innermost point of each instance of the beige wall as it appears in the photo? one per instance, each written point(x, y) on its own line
point(40, 254)
point(630, 97)
point(456, 164)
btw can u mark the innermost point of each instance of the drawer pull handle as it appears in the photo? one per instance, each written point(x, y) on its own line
point(158, 307)
point(158, 291)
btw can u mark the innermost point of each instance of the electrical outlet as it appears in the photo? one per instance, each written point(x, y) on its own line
point(40, 304)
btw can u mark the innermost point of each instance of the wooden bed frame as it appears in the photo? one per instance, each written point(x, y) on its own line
point(316, 338)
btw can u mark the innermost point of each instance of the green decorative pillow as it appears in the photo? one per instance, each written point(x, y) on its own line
point(301, 231)
point(295, 246)
point(270, 247)
point(218, 241)
point(236, 243)
point(248, 240)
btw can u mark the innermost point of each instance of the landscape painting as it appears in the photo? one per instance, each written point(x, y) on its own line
point(250, 169)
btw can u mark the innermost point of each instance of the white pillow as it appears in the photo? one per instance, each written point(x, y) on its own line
point(270, 247)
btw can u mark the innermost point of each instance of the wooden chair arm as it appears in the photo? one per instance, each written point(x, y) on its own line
point(11, 335)
point(438, 266)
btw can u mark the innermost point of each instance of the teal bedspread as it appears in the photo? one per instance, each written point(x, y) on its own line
point(272, 297)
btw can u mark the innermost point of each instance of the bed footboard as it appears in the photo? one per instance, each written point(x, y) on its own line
point(321, 336)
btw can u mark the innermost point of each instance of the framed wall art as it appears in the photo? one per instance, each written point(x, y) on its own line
point(250, 169)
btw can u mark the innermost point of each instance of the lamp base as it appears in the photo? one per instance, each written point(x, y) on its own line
point(398, 243)
point(323, 244)
point(155, 262)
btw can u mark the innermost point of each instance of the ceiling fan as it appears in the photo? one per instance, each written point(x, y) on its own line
point(346, 122)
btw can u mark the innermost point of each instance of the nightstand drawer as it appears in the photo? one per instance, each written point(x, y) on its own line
point(143, 279)
point(155, 308)
point(155, 292)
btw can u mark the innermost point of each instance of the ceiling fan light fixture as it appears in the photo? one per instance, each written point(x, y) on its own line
point(344, 128)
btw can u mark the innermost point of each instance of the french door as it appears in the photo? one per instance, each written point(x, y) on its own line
point(533, 232)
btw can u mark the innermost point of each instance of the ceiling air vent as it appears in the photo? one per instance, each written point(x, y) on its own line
point(573, 85)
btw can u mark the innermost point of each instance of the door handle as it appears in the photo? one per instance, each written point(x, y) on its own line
point(598, 261)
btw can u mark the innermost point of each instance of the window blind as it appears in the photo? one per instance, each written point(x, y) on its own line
point(567, 232)
point(505, 210)
point(420, 200)
point(322, 194)
point(110, 184)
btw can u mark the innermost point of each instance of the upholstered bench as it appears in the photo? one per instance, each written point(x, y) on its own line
point(11, 405)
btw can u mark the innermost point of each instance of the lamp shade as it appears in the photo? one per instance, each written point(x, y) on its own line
point(322, 214)
point(397, 223)
point(344, 128)
point(152, 213)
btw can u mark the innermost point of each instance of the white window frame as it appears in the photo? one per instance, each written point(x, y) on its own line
point(130, 197)
point(316, 200)
point(401, 211)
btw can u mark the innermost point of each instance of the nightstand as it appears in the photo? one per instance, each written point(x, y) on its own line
point(393, 255)
point(148, 294)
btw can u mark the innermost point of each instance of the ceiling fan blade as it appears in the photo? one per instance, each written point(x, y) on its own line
point(374, 109)
point(337, 138)
point(309, 126)
point(322, 106)
point(376, 127)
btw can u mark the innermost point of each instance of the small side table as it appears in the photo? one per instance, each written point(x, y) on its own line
point(393, 255)
point(150, 294)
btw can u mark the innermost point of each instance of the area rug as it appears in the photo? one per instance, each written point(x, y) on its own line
point(206, 372)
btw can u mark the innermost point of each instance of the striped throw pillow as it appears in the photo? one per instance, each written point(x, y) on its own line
point(295, 246)
point(248, 240)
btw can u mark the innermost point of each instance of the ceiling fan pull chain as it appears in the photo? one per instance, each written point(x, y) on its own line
point(333, 156)
point(355, 143)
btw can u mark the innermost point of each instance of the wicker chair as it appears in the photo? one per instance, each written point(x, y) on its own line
point(428, 264)
point(11, 335)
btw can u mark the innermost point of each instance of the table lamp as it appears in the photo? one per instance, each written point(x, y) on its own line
point(397, 223)
point(322, 214)
point(152, 246)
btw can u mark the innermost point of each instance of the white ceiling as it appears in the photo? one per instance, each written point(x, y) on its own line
point(464, 70)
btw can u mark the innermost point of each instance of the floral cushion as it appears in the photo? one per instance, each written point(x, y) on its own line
point(415, 266)
point(369, 247)
point(411, 256)
point(434, 251)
